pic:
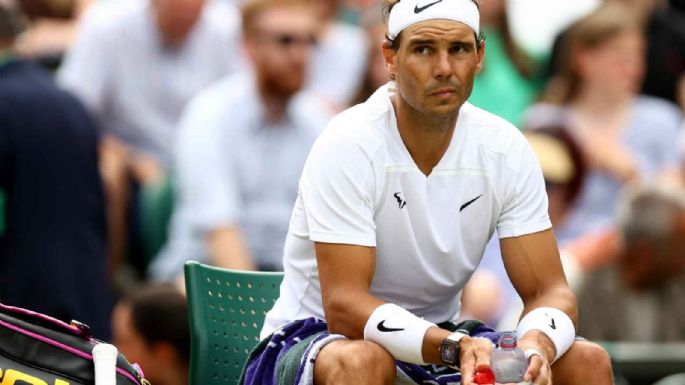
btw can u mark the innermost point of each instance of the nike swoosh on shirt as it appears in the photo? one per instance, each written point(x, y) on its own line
point(418, 9)
point(381, 327)
point(469, 203)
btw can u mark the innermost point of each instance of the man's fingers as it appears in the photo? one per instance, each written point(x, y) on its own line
point(475, 356)
point(467, 365)
point(536, 363)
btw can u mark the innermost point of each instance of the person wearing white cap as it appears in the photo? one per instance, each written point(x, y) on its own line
point(396, 202)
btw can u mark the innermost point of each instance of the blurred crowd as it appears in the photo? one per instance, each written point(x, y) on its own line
point(136, 135)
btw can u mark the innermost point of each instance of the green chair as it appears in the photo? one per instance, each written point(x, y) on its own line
point(226, 310)
point(156, 202)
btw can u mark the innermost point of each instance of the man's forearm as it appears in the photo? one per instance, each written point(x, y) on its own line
point(561, 298)
point(228, 249)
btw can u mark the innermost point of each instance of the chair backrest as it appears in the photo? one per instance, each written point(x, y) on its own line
point(226, 310)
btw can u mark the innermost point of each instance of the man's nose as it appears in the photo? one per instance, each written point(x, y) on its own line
point(442, 67)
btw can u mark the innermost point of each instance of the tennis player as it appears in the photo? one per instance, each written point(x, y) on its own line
point(396, 203)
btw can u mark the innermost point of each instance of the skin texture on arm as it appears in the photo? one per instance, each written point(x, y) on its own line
point(534, 267)
point(346, 273)
point(228, 249)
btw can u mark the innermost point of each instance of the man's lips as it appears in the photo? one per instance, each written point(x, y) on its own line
point(446, 91)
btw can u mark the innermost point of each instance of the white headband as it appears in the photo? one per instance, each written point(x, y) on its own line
point(410, 12)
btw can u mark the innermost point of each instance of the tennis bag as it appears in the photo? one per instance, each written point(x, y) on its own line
point(39, 350)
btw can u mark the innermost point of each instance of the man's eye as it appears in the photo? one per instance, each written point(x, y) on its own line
point(458, 49)
point(422, 50)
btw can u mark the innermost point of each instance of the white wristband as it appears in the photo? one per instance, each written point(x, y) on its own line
point(554, 323)
point(398, 331)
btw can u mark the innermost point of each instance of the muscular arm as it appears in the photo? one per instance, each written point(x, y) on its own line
point(228, 249)
point(533, 265)
point(346, 273)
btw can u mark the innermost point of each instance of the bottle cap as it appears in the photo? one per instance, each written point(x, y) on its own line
point(507, 340)
point(484, 376)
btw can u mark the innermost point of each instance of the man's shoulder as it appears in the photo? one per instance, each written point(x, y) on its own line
point(26, 82)
point(224, 94)
point(491, 131)
point(363, 123)
point(110, 16)
point(221, 15)
point(219, 103)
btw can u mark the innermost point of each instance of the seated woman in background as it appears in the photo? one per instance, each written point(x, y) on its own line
point(624, 136)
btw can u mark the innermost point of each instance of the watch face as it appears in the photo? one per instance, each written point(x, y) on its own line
point(449, 353)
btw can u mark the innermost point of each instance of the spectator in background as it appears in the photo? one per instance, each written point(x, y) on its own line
point(52, 29)
point(640, 298)
point(242, 146)
point(624, 136)
point(338, 62)
point(135, 64)
point(150, 328)
point(510, 80)
point(52, 253)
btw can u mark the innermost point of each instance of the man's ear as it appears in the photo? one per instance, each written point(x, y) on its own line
point(481, 56)
point(389, 55)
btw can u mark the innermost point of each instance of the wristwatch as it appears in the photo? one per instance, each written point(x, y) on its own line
point(449, 349)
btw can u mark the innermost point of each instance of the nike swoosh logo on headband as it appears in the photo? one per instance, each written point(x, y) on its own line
point(418, 9)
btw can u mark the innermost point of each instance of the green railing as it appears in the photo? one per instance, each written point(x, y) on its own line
point(646, 363)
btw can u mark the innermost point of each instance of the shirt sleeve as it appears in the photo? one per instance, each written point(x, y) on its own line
point(337, 191)
point(88, 64)
point(525, 208)
point(208, 191)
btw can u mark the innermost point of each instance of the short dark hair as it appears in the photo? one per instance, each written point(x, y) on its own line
point(161, 302)
point(252, 9)
point(395, 43)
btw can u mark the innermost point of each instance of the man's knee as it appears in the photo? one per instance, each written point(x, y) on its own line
point(583, 354)
point(343, 361)
point(591, 353)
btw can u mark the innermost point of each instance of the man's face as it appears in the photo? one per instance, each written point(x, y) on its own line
point(176, 18)
point(280, 45)
point(435, 66)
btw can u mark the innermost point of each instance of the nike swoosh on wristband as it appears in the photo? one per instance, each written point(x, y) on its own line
point(553, 325)
point(381, 327)
point(467, 204)
point(418, 9)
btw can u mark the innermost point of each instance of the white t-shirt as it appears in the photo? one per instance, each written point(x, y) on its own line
point(360, 186)
point(137, 88)
point(235, 166)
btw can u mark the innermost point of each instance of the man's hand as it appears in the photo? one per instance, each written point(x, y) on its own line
point(474, 355)
point(539, 369)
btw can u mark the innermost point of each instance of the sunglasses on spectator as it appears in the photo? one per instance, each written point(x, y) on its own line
point(287, 40)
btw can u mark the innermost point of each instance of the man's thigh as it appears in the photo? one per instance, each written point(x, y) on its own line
point(354, 362)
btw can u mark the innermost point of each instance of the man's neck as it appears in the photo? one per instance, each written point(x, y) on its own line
point(275, 104)
point(426, 137)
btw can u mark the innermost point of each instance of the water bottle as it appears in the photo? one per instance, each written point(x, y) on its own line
point(508, 361)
